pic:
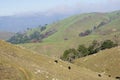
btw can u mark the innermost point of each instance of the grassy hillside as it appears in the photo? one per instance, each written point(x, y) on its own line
point(71, 27)
point(17, 63)
point(105, 62)
point(5, 35)
point(68, 30)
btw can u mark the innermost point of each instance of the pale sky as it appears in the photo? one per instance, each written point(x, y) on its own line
point(12, 7)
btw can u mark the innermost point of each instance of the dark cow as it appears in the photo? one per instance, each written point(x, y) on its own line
point(56, 61)
point(69, 67)
point(99, 75)
point(118, 78)
point(109, 75)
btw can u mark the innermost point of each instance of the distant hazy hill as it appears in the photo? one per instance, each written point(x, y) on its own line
point(21, 22)
point(105, 62)
point(17, 63)
point(5, 35)
point(66, 33)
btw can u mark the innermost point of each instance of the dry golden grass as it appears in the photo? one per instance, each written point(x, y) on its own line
point(105, 62)
point(27, 65)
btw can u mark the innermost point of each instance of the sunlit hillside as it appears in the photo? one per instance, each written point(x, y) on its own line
point(104, 62)
point(17, 63)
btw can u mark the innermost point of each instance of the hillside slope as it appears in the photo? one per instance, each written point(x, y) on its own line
point(71, 27)
point(17, 63)
point(106, 62)
point(67, 32)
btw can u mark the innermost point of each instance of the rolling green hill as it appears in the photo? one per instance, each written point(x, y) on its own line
point(105, 62)
point(66, 32)
point(17, 63)
point(71, 27)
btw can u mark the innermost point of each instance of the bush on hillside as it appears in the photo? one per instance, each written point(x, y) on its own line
point(107, 44)
point(85, 33)
point(43, 28)
point(94, 47)
point(116, 39)
point(82, 50)
point(69, 55)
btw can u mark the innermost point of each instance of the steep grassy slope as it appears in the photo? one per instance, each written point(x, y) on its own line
point(106, 62)
point(70, 29)
point(113, 26)
point(17, 63)
point(5, 35)
point(72, 26)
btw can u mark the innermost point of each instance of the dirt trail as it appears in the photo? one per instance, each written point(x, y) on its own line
point(25, 73)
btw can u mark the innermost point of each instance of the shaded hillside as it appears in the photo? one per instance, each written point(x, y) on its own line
point(5, 35)
point(17, 63)
point(105, 62)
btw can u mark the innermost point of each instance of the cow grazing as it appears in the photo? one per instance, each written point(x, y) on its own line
point(69, 67)
point(109, 75)
point(118, 78)
point(56, 61)
point(99, 75)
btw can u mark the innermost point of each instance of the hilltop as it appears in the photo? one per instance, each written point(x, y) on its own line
point(19, 63)
point(104, 62)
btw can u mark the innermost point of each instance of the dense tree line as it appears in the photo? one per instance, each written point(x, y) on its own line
point(82, 50)
point(36, 36)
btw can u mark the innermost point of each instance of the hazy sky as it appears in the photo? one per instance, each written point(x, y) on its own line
point(11, 7)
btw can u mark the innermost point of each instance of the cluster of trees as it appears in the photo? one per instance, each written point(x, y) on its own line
point(82, 50)
point(88, 32)
point(24, 38)
point(36, 36)
point(18, 38)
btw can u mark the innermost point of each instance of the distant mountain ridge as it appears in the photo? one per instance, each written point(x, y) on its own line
point(18, 23)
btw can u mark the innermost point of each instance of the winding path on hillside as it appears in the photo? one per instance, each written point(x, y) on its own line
point(24, 72)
